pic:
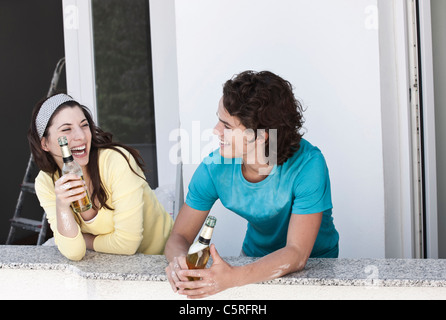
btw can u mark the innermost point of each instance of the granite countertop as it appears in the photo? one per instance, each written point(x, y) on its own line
point(318, 272)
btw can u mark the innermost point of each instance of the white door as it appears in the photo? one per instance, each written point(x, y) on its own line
point(329, 51)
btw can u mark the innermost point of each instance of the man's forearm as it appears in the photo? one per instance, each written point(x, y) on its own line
point(272, 266)
point(176, 246)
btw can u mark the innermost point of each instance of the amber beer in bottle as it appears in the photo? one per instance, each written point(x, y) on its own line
point(71, 166)
point(199, 252)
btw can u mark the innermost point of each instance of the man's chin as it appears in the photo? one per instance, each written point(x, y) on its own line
point(227, 154)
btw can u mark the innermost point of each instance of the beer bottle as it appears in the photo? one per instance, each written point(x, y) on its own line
point(199, 252)
point(71, 166)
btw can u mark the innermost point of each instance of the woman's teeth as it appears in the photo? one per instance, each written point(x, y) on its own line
point(78, 150)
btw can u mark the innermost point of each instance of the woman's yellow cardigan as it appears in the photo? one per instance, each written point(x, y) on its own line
point(138, 223)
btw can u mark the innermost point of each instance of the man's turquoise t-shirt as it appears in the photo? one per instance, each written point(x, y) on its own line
point(299, 186)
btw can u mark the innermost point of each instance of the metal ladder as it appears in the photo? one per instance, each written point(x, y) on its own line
point(27, 186)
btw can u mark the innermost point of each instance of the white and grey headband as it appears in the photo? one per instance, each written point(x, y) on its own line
point(47, 110)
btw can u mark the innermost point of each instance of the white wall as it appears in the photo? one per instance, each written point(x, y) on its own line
point(329, 50)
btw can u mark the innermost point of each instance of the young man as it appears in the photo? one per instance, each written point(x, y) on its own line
point(265, 172)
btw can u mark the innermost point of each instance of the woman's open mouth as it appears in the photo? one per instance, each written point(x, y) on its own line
point(79, 151)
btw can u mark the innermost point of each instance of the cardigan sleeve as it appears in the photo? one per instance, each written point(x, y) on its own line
point(126, 192)
point(71, 248)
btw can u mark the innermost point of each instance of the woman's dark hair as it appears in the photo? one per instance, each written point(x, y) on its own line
point(263, 100)
point(99, 140)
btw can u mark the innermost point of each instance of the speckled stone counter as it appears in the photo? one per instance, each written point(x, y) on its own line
point(318, 272)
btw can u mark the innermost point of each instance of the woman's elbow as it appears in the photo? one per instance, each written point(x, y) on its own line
point(128, 250)
point(73, 255)
point(128, 247)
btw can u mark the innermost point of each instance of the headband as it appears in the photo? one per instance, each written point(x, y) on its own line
point(47, 110)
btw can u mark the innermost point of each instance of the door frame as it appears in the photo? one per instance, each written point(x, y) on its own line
point(79, 52)
point(428, 101)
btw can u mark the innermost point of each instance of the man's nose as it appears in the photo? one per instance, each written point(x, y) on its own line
point(219, 129)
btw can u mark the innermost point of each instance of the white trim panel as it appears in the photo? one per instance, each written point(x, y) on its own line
point(430, 158)
point(79, 53)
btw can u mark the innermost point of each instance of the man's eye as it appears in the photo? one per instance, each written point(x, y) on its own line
point(225, 125)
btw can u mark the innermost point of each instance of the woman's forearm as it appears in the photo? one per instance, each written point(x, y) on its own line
point(68, 236)
point(66, 224)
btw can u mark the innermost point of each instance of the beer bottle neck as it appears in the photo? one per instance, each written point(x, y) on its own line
point(206, 235)
point(66, 154)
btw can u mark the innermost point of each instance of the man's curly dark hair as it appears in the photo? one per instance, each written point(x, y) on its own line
point(263, 100)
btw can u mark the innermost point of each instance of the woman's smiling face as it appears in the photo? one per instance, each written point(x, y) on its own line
point(72, 123)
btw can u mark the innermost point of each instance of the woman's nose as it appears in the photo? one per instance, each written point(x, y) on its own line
point(78, 133)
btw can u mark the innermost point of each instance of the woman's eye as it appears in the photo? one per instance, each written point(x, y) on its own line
point(65, 130)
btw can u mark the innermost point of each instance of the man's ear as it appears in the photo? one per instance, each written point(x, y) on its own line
point(43, 144)
point(262, 136)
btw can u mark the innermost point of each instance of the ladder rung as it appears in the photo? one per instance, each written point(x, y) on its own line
point(28, 187)
point(27, 224)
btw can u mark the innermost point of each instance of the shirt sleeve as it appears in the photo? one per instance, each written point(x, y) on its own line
point(312, 192)
point(202, 192)
point(126, 192)
point(72, 248)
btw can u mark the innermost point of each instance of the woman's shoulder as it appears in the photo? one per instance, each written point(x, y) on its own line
point(112, 152)
point(109, 156)
point(116, 161)
point(44, 183)
point(46, 178)
point(43, 178)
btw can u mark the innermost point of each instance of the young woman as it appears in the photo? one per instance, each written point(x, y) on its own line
point(283, 193)
point(125, 217)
